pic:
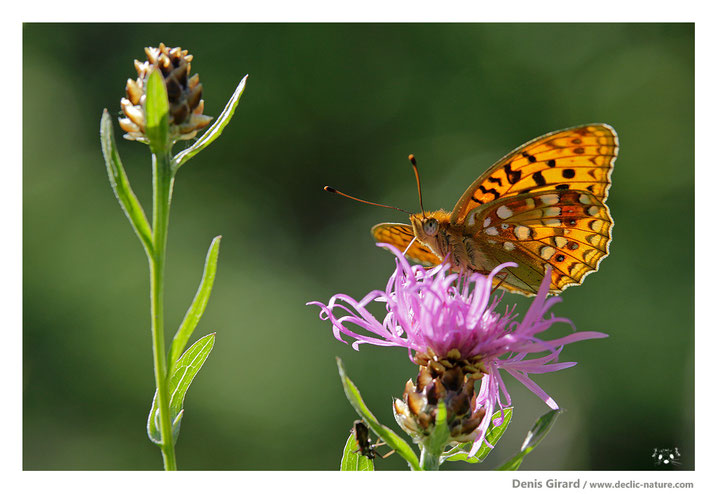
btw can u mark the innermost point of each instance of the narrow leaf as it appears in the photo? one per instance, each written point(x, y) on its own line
point(157, 108)
point(390, 437)
point(153, 422)
point(352, 461)
point(185, 371)
point(440, 436)
point(539, 430)
point(215, 130)
point(199, 304)
point(121, 184)
point(513, 464)
point(176, 426)
point(433, 445)
point(493, 434)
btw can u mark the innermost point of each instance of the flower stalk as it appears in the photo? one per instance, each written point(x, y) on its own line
point(163, 106)
point(429, 459)
point(162, 181)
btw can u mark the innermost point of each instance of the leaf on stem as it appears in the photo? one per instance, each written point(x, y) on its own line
point(121, 184)
point(440, 436)
point(390, 437)
point(199, 304)
point(215, 130)
point(493, 434)
point(352, 460)
point(184, 373)
point(157, 108)
point(533, 438)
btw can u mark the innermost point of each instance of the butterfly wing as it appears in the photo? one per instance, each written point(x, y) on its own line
point(578, 158)
point(565, 229)
point(400, 236)
point(543, 204)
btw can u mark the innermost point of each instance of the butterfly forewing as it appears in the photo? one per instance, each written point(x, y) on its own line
point(400, 236)
point(579, 158)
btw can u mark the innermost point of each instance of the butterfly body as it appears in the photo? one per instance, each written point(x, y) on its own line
point(541, 205)
point(451, 241)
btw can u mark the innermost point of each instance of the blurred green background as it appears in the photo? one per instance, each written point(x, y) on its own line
point(343, 104)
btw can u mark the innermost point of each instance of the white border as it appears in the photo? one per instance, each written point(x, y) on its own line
point(372, 11)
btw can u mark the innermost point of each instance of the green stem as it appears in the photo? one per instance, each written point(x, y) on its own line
point(162, 182)
point(429, 460)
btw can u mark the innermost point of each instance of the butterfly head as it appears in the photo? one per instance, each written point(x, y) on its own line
point(431, 226)
point(428, 225)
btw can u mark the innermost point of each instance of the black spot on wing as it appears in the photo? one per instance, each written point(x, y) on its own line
point(512, 176)
point(489, 191)
point(539, 179)
point(530, 157)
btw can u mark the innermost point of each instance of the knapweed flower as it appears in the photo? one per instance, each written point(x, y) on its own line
point(452, 330)
point(184, 94)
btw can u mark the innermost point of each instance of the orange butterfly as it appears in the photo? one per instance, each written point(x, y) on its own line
point(543, 204)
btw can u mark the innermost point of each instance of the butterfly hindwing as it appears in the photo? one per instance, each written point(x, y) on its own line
point(568, 230)
point(400, 236)
point(578, 158)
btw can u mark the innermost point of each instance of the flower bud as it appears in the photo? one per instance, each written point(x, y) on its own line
point(184, 94)
point(449, 379)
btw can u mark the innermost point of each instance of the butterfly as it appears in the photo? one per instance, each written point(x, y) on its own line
point(541, 205)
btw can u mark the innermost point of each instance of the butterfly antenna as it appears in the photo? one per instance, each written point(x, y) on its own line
point(335, 191)
point(418, 183)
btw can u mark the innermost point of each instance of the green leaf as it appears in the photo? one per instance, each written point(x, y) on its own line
point(433, 445)
point(157, 109)
point(352, 461)
point(440, 436)
point(121, 184)
point(199, 304)
point(390, 437)
point(186, 369)
point(493, 434)
point(153, 422)
point(533, 438)
point(215, 130)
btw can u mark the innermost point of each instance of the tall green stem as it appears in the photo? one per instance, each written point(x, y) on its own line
point(162, 182)
point(429, 459)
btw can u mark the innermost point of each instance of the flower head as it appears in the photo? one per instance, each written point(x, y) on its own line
point(184, 94)
point(451, 328)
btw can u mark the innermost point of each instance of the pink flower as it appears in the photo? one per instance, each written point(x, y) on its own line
point(450, 320)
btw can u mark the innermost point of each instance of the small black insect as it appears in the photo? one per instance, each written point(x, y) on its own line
point(366, 446)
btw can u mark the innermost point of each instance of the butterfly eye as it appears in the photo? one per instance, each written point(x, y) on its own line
point(431, 226)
